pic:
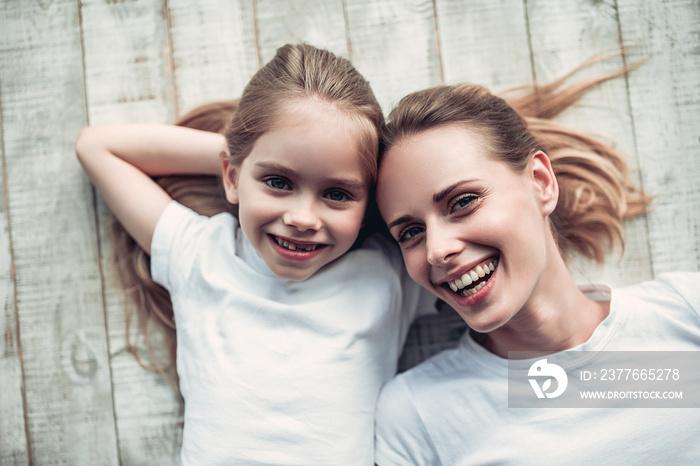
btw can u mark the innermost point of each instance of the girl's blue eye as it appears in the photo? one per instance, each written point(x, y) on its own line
point(277, 183)
point(409, 233)
point(337, 196)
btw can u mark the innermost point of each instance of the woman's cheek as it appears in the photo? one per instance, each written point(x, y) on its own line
point(416, 261)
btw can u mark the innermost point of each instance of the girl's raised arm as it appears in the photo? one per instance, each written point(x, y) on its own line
point(120, 161)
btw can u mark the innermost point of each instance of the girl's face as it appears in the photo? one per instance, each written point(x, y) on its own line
point(471, 230)
point(301, 192)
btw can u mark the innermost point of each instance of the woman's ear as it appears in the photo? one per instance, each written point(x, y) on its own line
point(230, 177)
point(544, 181)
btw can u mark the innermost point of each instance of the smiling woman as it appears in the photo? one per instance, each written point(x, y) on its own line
point(487, 204)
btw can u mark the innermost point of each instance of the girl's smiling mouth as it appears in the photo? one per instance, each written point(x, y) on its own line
point(296, 246)
point(294, 250)
point(473, 279)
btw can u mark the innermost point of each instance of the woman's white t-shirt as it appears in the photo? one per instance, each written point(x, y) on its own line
point(453, 409)
point(275, 371)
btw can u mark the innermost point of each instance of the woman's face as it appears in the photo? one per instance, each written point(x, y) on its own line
point(471, 230)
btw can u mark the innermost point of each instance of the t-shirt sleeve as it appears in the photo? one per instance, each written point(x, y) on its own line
point(401, 437)
point(172, 250)
point(686, 285)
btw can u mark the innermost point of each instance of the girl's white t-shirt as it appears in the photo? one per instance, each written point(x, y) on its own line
point(275, 371)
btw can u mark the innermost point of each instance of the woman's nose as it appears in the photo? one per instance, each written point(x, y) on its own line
point(441, 243)
point(302, 215)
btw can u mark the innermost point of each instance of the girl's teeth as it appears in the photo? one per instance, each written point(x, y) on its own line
point(474, 276)
point(292, 247)
point(480, 271)
point(491, 266)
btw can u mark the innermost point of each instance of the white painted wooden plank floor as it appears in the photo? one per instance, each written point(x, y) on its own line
point(69, 393)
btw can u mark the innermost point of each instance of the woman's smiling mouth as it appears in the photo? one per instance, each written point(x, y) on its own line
point(474, 279)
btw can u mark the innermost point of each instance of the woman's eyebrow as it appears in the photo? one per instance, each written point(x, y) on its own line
point(399, 221)
point(436, 199)
point(441, 195)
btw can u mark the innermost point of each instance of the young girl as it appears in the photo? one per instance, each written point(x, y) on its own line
point(486, 204)
point(284, 338)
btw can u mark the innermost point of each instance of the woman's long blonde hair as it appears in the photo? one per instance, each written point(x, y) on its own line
point(295, 73)
point(595, 194)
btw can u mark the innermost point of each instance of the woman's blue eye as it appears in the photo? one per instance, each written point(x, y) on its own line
point(463, 202)
point(409, 233)
point(277, 183)
point(337, 196)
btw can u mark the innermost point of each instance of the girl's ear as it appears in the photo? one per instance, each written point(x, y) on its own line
point(230, 177)
point(544, 181)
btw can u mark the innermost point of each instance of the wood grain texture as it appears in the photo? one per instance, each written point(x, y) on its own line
point(393, 44)
point(126, 54)
point(484, 42)
point(214, 50)
point(127, 71)
point(665, 102)
point(13, 435)
point(316, 22)
point(62, 330)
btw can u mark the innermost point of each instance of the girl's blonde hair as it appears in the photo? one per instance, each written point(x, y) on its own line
point(297, 72)
point(595, 194)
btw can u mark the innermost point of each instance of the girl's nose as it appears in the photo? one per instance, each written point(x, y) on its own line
point(302, 216)
point(441, 243)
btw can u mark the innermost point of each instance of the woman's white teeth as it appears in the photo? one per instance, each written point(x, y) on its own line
point(471, 291)
point(472, 276)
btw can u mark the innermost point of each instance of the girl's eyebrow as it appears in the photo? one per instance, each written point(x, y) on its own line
point(351, 184)
point(277, 168)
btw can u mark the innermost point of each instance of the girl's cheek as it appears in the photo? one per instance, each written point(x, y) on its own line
point(351, 218)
